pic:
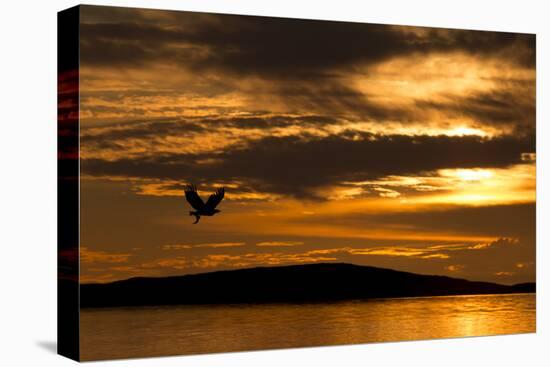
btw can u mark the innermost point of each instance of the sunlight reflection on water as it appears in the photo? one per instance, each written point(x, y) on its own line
point(172, 330)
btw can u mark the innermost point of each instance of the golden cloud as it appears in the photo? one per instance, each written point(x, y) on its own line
point(88, 256)
point(212, 245)
point(279, 244)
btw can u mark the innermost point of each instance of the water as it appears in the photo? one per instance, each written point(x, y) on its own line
point(172, 330)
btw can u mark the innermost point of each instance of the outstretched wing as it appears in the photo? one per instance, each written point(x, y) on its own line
point(215, 199)
point(193, 197)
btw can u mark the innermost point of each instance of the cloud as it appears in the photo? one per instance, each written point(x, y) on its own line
point(387, 193)
point(88, 256)
point(275, 47)
point(208, 261)
point(97, 278)
point(463, 224)
point(177, 247)
point(424, 253)
point(338, 115)
point(214, 132)
point(224, 66)
point(279, 244)
point(444, 251)
point(449, 257)
point(504, 273)
point(497, 220)
point(301, 65)
point(455, 268)
point(316, 162)
point(202, 245)
point(222, 244)
point(514, 106)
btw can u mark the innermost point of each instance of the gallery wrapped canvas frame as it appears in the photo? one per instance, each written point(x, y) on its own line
point(231, 183)
point(68, 215)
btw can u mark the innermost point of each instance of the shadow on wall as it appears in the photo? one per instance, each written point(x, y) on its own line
point(50, 346)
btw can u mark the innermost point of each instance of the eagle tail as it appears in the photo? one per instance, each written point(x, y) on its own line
point(197, 217)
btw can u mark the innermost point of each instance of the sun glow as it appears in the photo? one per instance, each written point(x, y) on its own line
point(467, 174)
point(485, 187)
point(464, 130)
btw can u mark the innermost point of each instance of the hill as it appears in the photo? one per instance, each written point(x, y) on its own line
point(295, 283)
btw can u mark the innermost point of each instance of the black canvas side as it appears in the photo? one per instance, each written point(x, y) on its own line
point(68, 183)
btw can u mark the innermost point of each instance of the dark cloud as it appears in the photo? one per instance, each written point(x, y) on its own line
point(303, 60)
point(115, 134)
point(332, 97)
point(517, 220)
point(511, 220)
point(497, 107)
point(268, 122)
point(295, 164)
point(279, 47)
point(143, 130)
point(515, 47)
point(513, 224)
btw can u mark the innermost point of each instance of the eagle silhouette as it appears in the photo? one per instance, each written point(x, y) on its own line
point(208, 209)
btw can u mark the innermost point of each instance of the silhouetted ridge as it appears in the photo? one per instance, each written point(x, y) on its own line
point(294, 283)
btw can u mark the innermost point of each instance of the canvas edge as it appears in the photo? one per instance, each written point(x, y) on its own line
point(68, 216)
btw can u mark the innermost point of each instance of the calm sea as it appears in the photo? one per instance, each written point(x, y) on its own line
point(171, 330)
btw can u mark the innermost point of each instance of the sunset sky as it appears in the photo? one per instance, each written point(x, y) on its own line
point(400, 147)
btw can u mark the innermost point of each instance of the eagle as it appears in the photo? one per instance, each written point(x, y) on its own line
point(208, 209)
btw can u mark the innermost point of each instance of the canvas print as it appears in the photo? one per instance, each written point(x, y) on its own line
point(233, 183)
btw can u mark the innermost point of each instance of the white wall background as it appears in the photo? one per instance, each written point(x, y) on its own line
point(28, 182)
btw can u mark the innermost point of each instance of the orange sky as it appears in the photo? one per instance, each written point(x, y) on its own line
point(401, 147)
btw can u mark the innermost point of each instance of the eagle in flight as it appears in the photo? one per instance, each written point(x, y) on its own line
point(208, 209)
